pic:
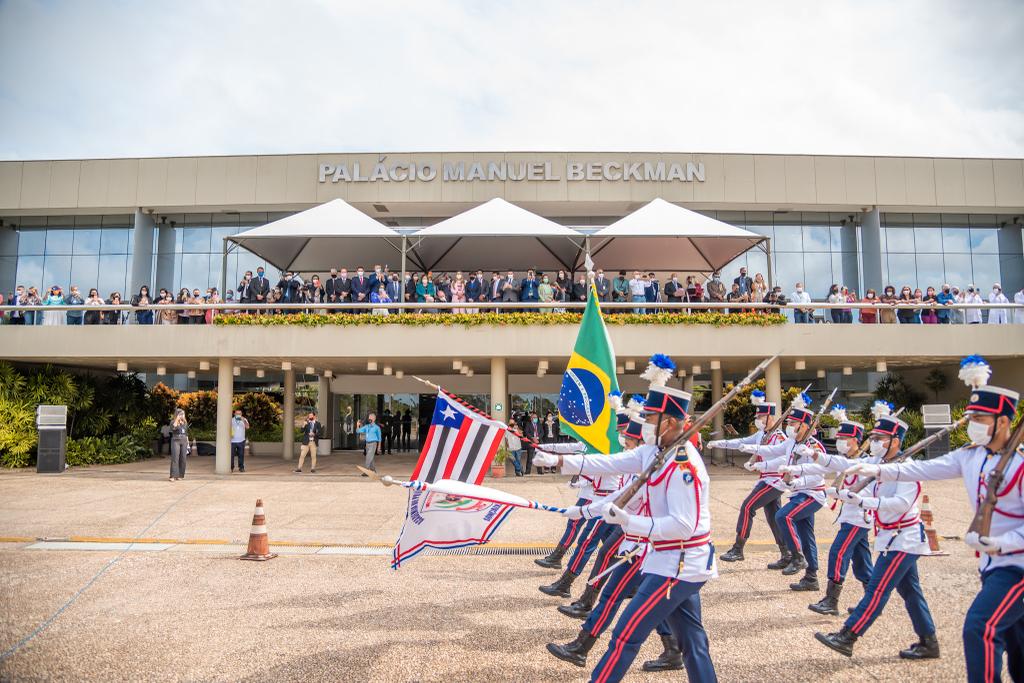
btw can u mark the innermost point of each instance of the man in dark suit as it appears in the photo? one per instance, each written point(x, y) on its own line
point(528, 287)
point(312, 432)
point(510, 289)
point(245, 288)
point(494, 293)
point(653, 292)
point(603, 285)
point(386, 433)
point(529, 430)
point(579, 290)
point(360, 288)
point(406, 430)
point(745, 283)
point(259, 287)
point(332, 288)
point(394, 288)
point(474, 288)
point(674, 292)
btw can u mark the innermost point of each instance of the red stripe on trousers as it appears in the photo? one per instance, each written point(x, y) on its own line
point(789, 523)
point(747, 515)
point(610, 554)
point(575, 568)
point(990, 628)
point(877, 596)
point(842, 551)
point(599, 626)
point(572, 530)
point(634, 621)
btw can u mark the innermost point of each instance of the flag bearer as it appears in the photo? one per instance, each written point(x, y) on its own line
point(681, 558)
point(994, 624)
point(851, 542)
point(899, 540)
point(766, 492)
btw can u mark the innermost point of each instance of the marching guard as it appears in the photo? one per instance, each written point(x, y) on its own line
point(850, 546)
point(681, 559)
point(994, 624)
point(796, 517)
point(899, 540)
point(768, 489)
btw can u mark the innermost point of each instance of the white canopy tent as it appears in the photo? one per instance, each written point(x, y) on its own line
point(318, 239)
point(664, 236)
point(497, 235)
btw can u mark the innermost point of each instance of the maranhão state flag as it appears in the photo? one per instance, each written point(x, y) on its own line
point(584, 410)
point(460, 446)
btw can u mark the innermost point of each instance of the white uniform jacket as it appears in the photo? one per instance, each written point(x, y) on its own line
point(898, 524)
point(973, 464)
point(830, 464)
point(679, 522)
point(637, 505)
point(779, 454)
point(585, 486)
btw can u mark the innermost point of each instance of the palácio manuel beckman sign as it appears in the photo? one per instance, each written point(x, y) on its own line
point(641, 171)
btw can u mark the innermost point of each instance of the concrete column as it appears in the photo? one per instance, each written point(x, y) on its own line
point(688, 384)
point(165, 257)
point(1011, 266)
point(871, 252)
point(718, 422)
point(225, 394)
point(499, 390)
point(142, 252)
point(851, 262)
point(288, 425)
point(773, 384)
point(323, 413)
point(8, 258)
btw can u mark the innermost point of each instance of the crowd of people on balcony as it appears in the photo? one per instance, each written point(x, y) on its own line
point(380, 287)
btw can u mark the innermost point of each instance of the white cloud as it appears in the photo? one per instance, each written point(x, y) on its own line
point(114, 79)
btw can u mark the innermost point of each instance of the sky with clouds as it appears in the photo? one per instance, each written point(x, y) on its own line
point(95, 78)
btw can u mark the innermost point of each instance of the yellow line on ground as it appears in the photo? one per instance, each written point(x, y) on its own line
point(16, 539)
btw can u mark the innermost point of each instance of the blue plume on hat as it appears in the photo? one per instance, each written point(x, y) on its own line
point(639, 398)
point(974, 371)
point(838, 412)
point(881, 409)
point(803, 401)
point(659, 370)
point(757, 397)
point(615, 400)
point(635, 406)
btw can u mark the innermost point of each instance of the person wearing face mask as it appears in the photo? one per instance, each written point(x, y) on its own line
point(546, 292)
point(994, 623)
point(675, 293)
point(1018, 313)
point(474, 288)
point(887, 316)
point(768, 489)
point(997, 316)
point(800, 296)
point(972, 316)
point(899, 540)
point(796, 517)
point(360, 289)
point(603, 285)
point(906, 316)
point(678, 528)
point(622, 582)
point(869, 316)
point(944, 298)
point(850, 546)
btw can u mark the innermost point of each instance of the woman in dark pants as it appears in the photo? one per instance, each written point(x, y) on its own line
point(179, 445)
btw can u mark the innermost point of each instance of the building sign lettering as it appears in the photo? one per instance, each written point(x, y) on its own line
point(461, 171)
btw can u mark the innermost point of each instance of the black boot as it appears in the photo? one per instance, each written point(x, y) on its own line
point(735, 553)
point(795, 564)
point(580, 609)
point(553, 559)
point(809, 582)
point(785, 557)
point(927, 648)
point(576, 651)
point(830, 603)
point(561, 587)
point(842, 642)
point(669, 660)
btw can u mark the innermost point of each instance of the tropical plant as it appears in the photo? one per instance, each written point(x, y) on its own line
point(936, 381)
point(163, 400)
point(200, 408)
point(740, 411)
point(260, 409)
point(897, 391)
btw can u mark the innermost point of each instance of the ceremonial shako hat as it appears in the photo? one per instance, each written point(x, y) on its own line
point(621, 414)
point(761, 407)
point(633, 429)
point(975, 371)
point(660, 398)
point(993, 401)
point(621, 420)
point(850, 428)
point(891, 426)
point(800, 412)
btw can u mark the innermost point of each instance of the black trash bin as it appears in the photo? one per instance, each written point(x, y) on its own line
point(51, 451)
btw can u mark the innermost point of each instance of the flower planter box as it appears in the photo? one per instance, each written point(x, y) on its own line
point(497, 471)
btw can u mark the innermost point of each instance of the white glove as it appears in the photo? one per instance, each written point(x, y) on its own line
point(796, 483)
point(758, 466)
point(576, 483)
point(748, 448)
point(542, 459)
point(613, 514)
point(864, 469)
point(748, 466)
point(573, 512)
point(717, 443)
point(869, 503)
point(849, 496)
point(983, 544)
point(804, 451)
point(790, 469)
point(832, 492)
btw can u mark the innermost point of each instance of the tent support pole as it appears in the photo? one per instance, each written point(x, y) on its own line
point(767, 246)
point(224, 270)
point(401, 288)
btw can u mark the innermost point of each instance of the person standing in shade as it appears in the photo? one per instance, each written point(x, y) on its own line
point(371, 432)
point(238, 426)
point(312, 431)
point(406, 431)
point(179, 445)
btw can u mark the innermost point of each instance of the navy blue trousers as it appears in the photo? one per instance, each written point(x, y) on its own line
point(761, 496)
point(850, 546)
point(994, 625)
point(621, 583)
point(573, 526)
point(606, 555)
point(653, 604)
point(796, 520)
point(593, 534)
point(893, 569)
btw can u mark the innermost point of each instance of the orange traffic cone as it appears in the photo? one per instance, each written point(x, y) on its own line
point(929, 530)
point(259, 544)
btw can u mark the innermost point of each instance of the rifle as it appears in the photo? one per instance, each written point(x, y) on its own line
point(837, 483)
point(914, 450)
point(768, 431)
point(694, 428)
point(814, 426)
point(982, 522)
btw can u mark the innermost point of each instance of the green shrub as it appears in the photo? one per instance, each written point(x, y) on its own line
point(107, 450)
point(200, 408)
point(740, 411)
point(260, 409)
point(163, 400)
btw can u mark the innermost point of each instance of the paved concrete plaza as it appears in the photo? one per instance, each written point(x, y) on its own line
point(179, 606)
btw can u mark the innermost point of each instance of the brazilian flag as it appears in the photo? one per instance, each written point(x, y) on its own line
point(583, 407)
